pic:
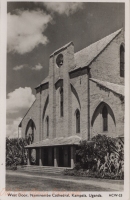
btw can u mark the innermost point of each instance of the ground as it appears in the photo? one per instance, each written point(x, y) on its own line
point(35, 181)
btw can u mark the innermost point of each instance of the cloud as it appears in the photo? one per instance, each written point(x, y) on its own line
point(37, 67)
point(67, 8)
point(25, 30)
point(18, 67)
point(19, 99)
point(12, 128)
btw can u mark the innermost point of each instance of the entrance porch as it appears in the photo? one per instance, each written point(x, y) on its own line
point(57, 156)
point(57, 152)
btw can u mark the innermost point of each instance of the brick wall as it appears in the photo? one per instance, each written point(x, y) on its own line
point(36, 114)
point(99, 96)
point(32, 114)
point(106, 67)
point(44, 108)
point(80, 84)
point(60, 126)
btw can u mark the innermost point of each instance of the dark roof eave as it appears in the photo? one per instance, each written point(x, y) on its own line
point(80, 68)
point(27, 147)
point(41, 85)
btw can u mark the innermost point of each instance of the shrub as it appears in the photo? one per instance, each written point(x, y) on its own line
point(15, 152)
point(89, 173)
point(101, 157)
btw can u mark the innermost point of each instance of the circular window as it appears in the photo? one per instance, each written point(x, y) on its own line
point(59, 60)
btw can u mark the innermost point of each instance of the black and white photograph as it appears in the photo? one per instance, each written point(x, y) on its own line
point(66, 99)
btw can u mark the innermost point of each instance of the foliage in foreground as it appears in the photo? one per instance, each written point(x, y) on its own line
point(15, 152)
point(103, 157)
point(93, 174)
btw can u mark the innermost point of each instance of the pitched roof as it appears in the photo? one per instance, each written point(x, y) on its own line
point(20, 124)
point(63, 47)
point(118, 89)
point(45, 80)
point(72, 140)
point(85, 56)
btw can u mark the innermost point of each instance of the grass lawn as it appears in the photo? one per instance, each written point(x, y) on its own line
point(23, 183)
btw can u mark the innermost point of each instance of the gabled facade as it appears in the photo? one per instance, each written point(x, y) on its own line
point(82, 96)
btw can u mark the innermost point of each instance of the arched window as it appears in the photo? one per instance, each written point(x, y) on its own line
point(59, 60)
point(122, 61)
point(61, 102)
point(30, 132)
point(47, 126)
point(77, 121)
point(105, 118)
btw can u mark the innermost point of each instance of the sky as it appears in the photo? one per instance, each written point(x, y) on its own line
point(35, 30)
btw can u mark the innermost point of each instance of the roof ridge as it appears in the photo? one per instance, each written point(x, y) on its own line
point(99, 40)
point(94, 79)
point(61, 48)
point(109, 38)
point(85, 56)
point(43, 82)
point(116, 88)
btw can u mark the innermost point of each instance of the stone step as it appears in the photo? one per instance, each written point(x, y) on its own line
point(50, 172)
point(44, 169)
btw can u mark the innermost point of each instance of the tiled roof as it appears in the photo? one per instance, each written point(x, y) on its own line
point(85, 56)
point(118, 89)
point(72, 140)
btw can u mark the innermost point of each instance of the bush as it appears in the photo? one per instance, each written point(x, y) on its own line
point(89, 173)
point(13, 167)
point(101, 158)
point(15, 152)
point(78, 166)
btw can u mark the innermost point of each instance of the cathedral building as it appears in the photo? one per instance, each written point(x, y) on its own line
point(82, 96)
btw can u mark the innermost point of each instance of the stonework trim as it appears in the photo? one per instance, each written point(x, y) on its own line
point(45, 107)
point(75, 94)
point(98, 108)
point(61, 49)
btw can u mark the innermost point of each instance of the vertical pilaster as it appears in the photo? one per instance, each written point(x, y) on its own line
point(29, 157)
point(37, 156)
point(84, 104)
point(88, 104)
point(73, 157)
point(40, 157)
point(56, 156)
point(68, 61)
point(65, 156)
point(40, 136)
point(50, 156)
point(52, 100)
